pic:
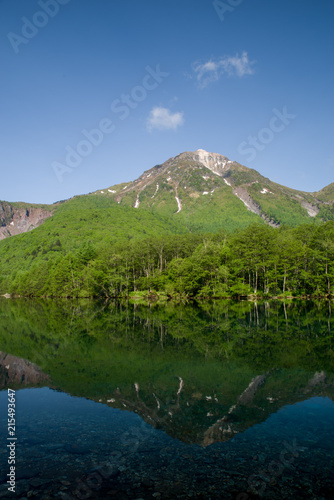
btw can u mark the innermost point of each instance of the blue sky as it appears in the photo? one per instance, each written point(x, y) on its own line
point(95, 92)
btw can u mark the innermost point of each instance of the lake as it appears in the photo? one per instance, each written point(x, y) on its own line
point(229, 400)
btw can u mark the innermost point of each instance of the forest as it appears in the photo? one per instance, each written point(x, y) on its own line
point(259, 261)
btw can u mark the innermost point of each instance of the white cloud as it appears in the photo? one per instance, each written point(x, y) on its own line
point(212, 70)
point(163, 119)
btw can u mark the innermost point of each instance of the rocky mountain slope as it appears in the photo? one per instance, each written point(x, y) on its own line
point(17, 218)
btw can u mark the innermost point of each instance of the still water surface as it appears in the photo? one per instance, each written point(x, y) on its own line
point(225, 400)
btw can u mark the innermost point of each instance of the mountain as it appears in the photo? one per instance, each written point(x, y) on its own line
point(147, 234)
point(207, 191)
point(199, 191)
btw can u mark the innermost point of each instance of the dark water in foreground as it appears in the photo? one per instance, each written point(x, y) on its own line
point(229, 400)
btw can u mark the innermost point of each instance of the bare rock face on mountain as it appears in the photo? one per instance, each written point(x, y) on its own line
point(213, 161)
point(20, 218)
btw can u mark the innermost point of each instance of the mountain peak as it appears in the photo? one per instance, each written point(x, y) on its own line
point(213, 161)
point(204, 152)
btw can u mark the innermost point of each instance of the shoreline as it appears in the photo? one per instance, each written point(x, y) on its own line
point(162, 297)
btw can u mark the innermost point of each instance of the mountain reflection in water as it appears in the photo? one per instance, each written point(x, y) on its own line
point(204, 375)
